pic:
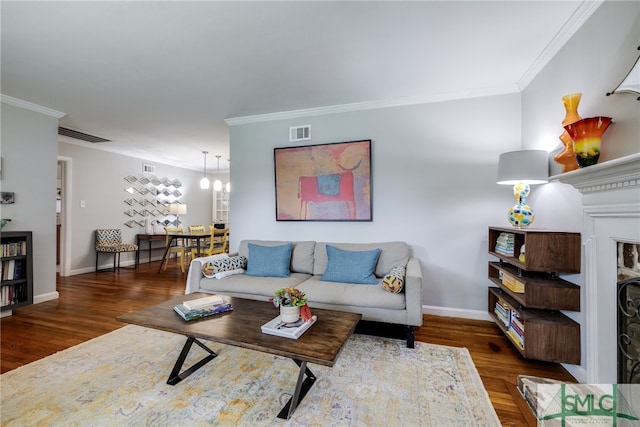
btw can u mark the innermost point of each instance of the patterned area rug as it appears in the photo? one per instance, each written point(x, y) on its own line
point(119, 379)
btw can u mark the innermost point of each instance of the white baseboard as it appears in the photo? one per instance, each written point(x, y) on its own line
point(92, 269)
point(5, 313)
point(37, 299)
point(456, 312)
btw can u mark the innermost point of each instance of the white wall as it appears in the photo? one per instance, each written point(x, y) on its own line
point(433, 186)
point(98, 179)
point(29, 170)
point(593, 62)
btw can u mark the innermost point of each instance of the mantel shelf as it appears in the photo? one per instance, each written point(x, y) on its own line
point(623, 172)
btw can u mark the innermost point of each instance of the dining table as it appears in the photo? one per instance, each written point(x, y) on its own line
point(171, 237)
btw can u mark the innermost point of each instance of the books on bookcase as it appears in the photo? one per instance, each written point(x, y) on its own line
point(14, 248)
point(12, 269)
point(205, 311)
point(287, 330)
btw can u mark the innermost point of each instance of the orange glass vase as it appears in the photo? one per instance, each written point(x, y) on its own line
point(570, 103)
point(567, 158)
point(587, 138)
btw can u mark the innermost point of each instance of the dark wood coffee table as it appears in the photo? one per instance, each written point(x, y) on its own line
point(320, 344)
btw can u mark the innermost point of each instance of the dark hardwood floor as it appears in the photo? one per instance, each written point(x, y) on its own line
point(89, 304)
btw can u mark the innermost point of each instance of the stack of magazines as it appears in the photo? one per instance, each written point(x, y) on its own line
point(202, 307)
point(287, 330)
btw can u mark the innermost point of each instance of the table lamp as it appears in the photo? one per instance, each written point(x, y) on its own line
point(178, 209)
point(521, 169)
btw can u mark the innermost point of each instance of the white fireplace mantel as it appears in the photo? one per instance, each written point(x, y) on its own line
point(611, 209)
point(623, 172)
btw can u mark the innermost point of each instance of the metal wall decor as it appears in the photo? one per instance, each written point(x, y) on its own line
point(157, 193)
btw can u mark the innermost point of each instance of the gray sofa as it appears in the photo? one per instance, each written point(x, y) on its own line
point(308, 262)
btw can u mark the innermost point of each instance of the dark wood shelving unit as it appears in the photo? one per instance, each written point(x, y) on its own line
point(549, 335)
point(541, 291)
point(16, 282)
point(546, 250)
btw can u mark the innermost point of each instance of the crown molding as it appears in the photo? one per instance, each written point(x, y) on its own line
point(371, 105)
point(620, 173)
point(30, 106)
point(577, 20)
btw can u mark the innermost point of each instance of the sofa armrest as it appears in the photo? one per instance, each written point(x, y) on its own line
point(413, 292)
point(195, 272)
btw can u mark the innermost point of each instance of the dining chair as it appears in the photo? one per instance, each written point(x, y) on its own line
point(177, 247)
point(217, 244)
point(109, 240)
point(195, 229)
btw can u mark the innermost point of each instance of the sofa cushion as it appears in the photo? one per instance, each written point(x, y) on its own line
point(301, 253)
point(394, 281)
point(253, 285)
point(349, 294)
point(269, 261)
point(351, 266)
point(391, 254)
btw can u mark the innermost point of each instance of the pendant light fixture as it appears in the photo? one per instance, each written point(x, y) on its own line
point(217, 184)
point(204, 182)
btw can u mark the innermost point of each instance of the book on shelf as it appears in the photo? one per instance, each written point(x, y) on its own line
point(287, 330)
point(8, 295)
point(198, 313)
point(8, 269)
point(516, 338)
point(203, 302)
point(515, 321)
point(14, 249)
point(505, 244)
point(502, 315)
point(512, 283)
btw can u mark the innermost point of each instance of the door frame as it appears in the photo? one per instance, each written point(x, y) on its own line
point(65, 215)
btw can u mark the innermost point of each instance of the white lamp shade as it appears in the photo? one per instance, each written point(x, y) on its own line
point(178, 209)
point(527, 166)
point(228, 187)
point(204, 183)
point(217, 185)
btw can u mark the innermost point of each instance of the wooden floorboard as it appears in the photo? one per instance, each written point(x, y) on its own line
point(89, 303)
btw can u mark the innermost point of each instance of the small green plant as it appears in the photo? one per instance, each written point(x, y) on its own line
point(289, 297)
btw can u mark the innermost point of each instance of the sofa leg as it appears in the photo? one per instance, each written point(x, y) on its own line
point(410, 337)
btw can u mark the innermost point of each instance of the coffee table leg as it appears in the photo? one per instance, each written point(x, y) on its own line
point(175, 377)
point(302, 387)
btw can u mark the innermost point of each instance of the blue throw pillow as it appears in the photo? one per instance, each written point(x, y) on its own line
point(351, 266)
point(269, 261)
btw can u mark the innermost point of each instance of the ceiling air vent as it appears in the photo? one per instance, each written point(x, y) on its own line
point(299, 133)
point(80, 135)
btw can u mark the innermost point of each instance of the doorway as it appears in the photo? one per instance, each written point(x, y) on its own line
point(63, 211)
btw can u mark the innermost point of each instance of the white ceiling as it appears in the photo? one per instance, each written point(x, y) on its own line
point(159, 78)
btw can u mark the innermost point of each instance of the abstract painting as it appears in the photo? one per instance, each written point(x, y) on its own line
point(325, 182)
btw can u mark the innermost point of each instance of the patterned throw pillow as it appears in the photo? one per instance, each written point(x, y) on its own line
point(394, 281)
point(211, 268)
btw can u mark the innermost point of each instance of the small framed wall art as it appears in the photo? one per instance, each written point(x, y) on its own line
point(324, 182)
point(7, 198)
